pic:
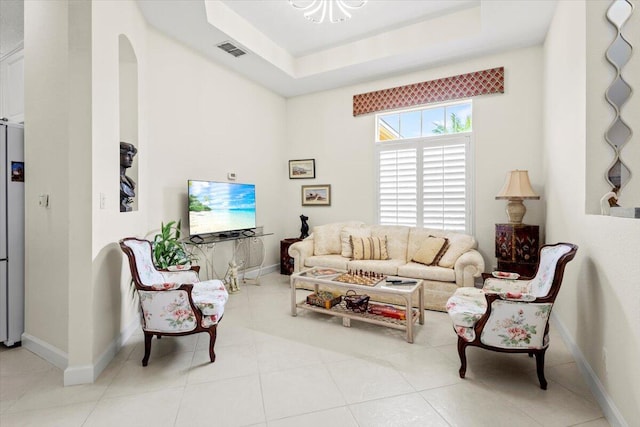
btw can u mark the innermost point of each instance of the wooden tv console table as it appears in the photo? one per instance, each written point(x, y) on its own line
point(406, 292)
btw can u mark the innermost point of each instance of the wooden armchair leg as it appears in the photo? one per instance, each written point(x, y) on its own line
point(540, 368)
point(147, 348)
point(462, 345)
point(213, 333)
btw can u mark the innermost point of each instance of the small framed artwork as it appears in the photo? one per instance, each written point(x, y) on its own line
point(17, 171)
point(301, 169)
point(316, 195)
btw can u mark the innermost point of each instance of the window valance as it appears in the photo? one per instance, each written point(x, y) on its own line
point(461, 86)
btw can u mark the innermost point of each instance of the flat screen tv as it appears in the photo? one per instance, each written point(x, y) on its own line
point(220, 207)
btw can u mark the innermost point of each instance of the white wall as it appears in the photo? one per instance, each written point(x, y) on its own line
point(507, 135)
point(205, 122)
point(598, 308)
point(195, 120)
point(113, 305)
point(46, 154)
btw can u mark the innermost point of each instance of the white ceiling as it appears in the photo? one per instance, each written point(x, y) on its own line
point(283, 24)
point(292, 56)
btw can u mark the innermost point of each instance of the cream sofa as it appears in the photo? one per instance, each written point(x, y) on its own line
point(458, 267)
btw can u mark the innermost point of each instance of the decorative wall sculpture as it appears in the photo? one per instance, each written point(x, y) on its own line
point(618, 93)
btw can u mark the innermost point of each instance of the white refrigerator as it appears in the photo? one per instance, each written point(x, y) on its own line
point(11, 233)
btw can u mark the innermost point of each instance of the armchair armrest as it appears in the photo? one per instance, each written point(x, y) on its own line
point(299, 251)
point(517, 296)
point(186, 276)
point(495, 285)
point(468, 266)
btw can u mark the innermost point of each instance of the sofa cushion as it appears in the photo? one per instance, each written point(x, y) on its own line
point(458, 244)
point(388, 267)
point(397, 239)
point(431, 250)
point(330, 261)
point(326, 238)
point(420, 271)
point(369, 248)
point(345, 238)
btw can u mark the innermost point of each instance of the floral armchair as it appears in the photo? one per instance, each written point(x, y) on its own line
point(511, 315)
point(173, 302)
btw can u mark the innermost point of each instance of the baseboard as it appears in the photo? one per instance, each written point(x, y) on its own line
point(75, 375)
point(87, 374)
point(252, 273)
point(51, 354)
point(82, 374)
point(608, 406)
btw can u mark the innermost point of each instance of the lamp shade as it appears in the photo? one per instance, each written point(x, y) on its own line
point(517, 187)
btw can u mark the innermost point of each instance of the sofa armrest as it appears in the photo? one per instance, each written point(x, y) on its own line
point(299, 251)
point(467, 267)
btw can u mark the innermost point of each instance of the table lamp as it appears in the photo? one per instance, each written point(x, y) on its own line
point(517, 188)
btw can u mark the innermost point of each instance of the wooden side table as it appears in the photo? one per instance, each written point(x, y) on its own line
point(286, 262)
point(517, 247)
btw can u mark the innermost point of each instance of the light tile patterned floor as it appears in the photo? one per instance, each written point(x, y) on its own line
point(276, 370)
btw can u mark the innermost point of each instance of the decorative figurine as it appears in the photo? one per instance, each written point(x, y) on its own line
point(304, 230)
point(233, 277)
point(127, 185)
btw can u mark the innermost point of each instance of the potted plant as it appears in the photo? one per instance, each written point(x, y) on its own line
point(167, 248)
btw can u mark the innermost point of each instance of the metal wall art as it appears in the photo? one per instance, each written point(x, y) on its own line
point(618, 93)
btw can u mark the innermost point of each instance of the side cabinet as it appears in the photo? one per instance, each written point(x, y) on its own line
point(286, 262)
point(517, 247)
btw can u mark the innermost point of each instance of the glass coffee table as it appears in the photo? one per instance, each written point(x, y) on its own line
point(340, 281)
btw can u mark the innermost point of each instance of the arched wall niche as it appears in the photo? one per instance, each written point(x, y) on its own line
point(128, 95)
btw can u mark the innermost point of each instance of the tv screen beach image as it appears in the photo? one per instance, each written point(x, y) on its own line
point(220, 206)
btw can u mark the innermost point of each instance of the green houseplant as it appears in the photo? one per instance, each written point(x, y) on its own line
point(167, 248)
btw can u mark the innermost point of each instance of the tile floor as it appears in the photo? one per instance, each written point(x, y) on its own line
point(279, 371)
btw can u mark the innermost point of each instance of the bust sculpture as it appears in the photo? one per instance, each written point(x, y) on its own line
point(127, 184)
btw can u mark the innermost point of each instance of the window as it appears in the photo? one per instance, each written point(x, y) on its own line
point(425, 122)
point(424, 167)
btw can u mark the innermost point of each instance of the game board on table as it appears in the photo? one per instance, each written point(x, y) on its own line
point(359, 277)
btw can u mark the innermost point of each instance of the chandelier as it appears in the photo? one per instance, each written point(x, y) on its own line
point(317, 11)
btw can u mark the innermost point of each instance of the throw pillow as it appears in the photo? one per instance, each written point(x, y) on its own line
point(431, 250)
point(345, 238)
point(369, 248)
point(326, 238)
point(458, 244)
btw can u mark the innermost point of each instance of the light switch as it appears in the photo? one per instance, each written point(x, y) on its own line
point(103, 200)
point(43, 200)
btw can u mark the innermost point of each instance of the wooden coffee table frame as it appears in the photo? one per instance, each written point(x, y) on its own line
point(406, 292)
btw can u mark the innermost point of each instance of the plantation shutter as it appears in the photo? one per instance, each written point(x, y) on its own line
point(398, 187)
point(444, 187)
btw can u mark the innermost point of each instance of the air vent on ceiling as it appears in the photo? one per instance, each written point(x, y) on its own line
point(231, 49)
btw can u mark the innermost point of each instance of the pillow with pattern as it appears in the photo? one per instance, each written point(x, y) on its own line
point(431, 250)
point(369, 248)
point(345, 238)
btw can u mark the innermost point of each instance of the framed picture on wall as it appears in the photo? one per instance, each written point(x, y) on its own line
point(316, 195)
point(302, 169)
